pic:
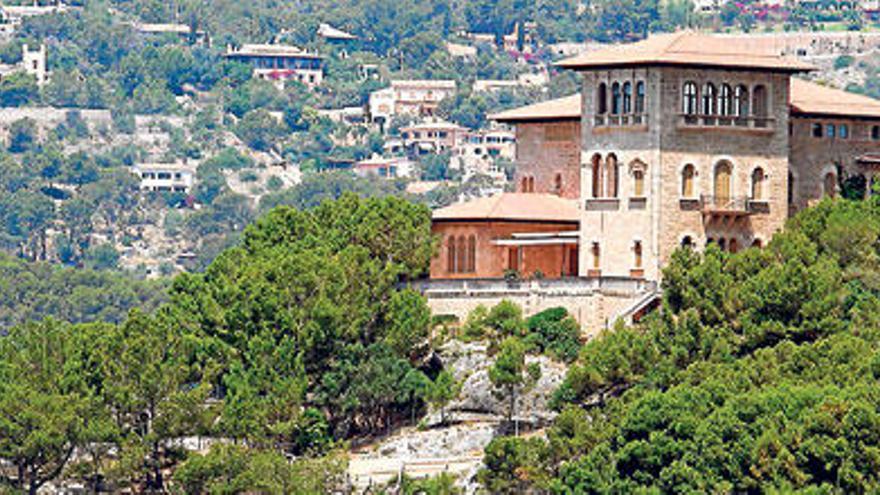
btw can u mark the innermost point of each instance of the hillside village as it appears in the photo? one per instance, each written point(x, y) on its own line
point(593, 247)
point(207, 157)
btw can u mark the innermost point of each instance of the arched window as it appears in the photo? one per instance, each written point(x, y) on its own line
point(638, 170)
point(875, 132)
point(759, 101)
point(725, 100)
point(722, 244)
point(557, 184)
point(450, 254)
point(639, 183)
point(733, 246)
point(708, 107)
point(461, 255)
point(723, 176)
point(640, 97)
point(524, 187)
point(615, 99)
point(472, 254)
point(687, 181)
point(687, 242)
point(602, 99)
point(637, 254)
point(597, 175)
point(829, 184)
point(627, 97)
point(758, 178)
point(689, 98)
point(611, 176)
point(757, 243)
point(531, 184)
point(741, 101)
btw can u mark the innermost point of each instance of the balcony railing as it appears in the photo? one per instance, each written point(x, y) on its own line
point(725, 121)
point(725, 204)
point(620, 120)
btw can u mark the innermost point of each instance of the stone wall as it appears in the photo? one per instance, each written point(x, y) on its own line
point(543, 159)
point(814, 157)
point(594, 303)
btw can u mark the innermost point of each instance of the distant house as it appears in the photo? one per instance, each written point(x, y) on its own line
point(334, 35)
point(182, 31)
point(409, 97)
point(33, 62)
point(388, 168)
point(11, 16)
point(165, 177)
point(431, 137)
point(281, 63)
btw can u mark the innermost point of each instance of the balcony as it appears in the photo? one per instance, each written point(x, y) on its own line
point(694, 121)
point(725, 205)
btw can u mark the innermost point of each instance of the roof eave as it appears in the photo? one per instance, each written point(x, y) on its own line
point(585, 66)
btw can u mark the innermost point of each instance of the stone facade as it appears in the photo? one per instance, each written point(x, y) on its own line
point(823, 146)
point(548, 158)
point(631, 229)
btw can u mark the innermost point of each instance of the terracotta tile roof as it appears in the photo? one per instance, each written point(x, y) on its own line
point(568, 107)
point(687, 48)
point(513, 206)
point(814, 99)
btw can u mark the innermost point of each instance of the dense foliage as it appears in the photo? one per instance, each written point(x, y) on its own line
point(293, 341)
point(759, 374)
point(34, 291)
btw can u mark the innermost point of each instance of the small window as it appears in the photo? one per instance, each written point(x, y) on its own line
point(596, 256)
point(602, 99)
point(689, 98)
point(615, 99)
point(627, 97)
point(637, 254)
point(817, 130)
point(640, 97)
point(830, 130)
point(875, 132)
point(557, 184)
point(687, 242)
point(843, 131)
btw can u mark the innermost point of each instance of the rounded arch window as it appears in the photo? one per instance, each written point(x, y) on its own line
point(709, 95)
point(687, 181)
point(615, 99)
point(627, 97)
point(758, 180)
point(602, 99)
point(689, 98)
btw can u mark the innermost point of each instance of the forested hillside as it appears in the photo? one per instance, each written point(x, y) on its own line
point(760, 374)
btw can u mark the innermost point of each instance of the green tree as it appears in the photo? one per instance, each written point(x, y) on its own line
point(22, 135)
point(443, 390)
point(18, 89)
point(508, 374)
point(260, 130)
point(42, 415)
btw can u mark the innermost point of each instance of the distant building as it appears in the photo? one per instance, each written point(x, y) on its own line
point(387, 168)
point(281, 63)
point(165, 177)
point(431, 137)
point(182, 31)
point(461, 51)
point(334, 35)
point(33, 62)
point(11, 16)
point(410, 97)
point(477, 151)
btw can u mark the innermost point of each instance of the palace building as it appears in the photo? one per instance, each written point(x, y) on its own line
point(679, 140)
